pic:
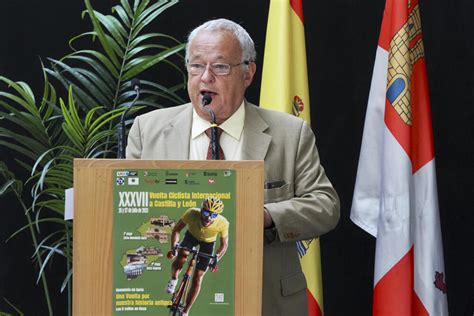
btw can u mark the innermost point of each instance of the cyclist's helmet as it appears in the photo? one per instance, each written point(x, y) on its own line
point(213, 204)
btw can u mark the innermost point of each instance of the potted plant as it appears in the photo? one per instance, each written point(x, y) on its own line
point(83, 97)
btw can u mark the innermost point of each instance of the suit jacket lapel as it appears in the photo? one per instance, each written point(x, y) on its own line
point(256, 142)
point(177, 135)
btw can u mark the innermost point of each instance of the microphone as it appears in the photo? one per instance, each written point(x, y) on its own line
point(122, 140)
point(206, 100)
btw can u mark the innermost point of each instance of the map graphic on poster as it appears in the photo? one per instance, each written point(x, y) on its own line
point(147, 205)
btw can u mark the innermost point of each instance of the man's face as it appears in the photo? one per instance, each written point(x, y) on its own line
point(207, 217)
point(227, 91)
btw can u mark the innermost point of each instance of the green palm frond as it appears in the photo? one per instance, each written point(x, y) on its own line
point(102, 77)
point(27, 128)
point(19, 312)
point(87, 137)
point(11, 183)
point(16, 186)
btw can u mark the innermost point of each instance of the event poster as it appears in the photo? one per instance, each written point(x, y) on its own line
point(147, 205)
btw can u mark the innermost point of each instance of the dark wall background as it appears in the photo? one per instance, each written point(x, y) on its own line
point(341, 38)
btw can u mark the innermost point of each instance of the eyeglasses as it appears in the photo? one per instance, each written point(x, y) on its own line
point(207, 213)
point(217, 68)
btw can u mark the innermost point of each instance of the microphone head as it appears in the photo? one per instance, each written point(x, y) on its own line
point(135, 82)
point(206, 99)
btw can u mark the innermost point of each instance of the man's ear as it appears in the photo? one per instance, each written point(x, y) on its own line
point(248, 75)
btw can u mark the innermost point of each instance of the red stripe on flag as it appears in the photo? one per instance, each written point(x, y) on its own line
point(297, 6)
point(313, 306)
point(394, 293)
point(394, 16)
point(399, 16)
point(422, 129)
point(384, 38)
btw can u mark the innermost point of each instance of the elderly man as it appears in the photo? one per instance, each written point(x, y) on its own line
point(300, 202)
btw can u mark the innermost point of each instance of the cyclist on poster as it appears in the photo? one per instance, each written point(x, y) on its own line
point(204, 226)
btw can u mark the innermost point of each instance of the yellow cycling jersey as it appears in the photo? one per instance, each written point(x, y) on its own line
point(220, 226)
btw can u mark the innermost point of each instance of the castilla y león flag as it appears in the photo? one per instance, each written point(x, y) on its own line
point(285, 88)
point(395, 197)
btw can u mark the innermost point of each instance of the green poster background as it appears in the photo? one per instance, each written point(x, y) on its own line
point(146, 205)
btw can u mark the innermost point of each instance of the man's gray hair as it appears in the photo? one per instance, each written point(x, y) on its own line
point(246, 42)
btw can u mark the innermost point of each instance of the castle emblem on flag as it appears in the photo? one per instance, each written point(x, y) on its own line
point(298, 105)
point(439, 282)
point(406, 48)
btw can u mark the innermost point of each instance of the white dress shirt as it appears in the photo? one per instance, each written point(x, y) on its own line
point(230, 140)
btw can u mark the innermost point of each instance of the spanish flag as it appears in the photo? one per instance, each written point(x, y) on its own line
point(285, 88)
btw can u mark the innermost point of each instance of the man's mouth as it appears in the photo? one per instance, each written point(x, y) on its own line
point(209, 92)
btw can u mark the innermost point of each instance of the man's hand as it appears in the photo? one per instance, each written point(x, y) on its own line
point(172, 253)
point(213, 265)
point(267, 219)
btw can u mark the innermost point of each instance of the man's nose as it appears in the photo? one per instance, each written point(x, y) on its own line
point(208, 75)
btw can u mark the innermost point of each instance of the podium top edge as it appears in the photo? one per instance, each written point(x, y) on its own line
point(178, 164)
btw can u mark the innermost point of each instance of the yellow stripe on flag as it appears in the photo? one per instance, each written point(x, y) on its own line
point(285, 88)
point(284, 74)
point(311, 263)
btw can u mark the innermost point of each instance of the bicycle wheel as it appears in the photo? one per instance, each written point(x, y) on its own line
point(177, 301)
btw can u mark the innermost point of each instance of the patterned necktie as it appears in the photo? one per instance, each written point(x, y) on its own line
point(220, 153)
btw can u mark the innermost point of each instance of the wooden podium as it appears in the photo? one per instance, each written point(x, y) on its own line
point(93, 219)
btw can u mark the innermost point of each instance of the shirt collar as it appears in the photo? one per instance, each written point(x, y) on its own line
point(233, 126)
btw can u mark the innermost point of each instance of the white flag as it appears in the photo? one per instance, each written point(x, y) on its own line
point(395, 197)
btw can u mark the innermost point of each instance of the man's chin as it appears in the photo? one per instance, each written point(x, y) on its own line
point(206, 223)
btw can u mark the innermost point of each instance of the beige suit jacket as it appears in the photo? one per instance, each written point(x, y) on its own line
point(298, 195)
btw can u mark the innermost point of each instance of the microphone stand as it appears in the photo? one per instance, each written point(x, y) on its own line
point(122, 141)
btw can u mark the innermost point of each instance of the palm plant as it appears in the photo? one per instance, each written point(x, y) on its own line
point(103, 78)
point(47, 134)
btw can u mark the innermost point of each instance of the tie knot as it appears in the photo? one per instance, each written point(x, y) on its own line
point(209, 131)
